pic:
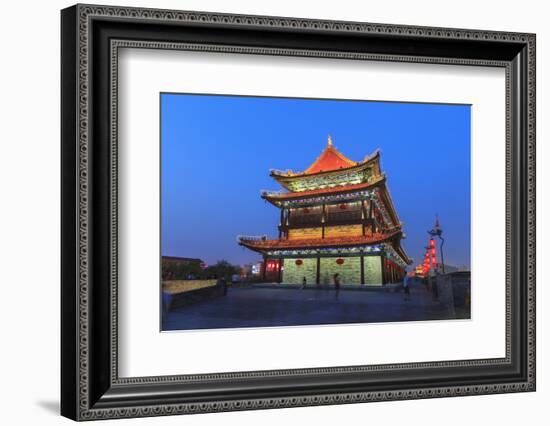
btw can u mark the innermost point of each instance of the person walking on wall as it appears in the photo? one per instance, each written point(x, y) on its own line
point(336, 279)
point(406, 288)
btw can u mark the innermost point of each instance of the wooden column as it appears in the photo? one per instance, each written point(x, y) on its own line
point(363, 216)
point(265, 269)
point(280, 272)
point(383, 265)
point(323, 220)
point(281, 222)
point(318, 275)
point(362, 268)
point(371, 216)
point(287, 222)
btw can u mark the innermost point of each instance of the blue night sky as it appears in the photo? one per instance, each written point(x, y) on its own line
point(217, 152)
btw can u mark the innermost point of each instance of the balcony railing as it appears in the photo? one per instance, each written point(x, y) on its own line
point(251, 238)
point(268, 192)
point(331, 219)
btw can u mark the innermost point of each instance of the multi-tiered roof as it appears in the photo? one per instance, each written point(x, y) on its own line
point(331, 179)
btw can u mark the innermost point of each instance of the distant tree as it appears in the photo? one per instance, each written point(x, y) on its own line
point(180, 271)
point(222, 268)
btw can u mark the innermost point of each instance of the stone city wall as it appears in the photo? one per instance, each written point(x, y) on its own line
point(181, 286)
point(373, 270)
point(349, 270)
point(294, 273)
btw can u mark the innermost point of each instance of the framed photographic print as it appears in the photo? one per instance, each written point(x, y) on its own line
point(263, 212)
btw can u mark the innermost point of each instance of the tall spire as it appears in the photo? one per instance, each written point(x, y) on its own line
point(329, 140)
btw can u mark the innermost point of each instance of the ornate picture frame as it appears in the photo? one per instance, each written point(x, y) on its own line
point(90, 39)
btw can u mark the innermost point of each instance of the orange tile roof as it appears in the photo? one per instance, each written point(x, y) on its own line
point(330, 159)
point(318, 242)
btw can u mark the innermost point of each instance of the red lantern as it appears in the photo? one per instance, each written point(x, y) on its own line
point(340, 261)
point(299, 262)
point(306, 210)
point(343, 206)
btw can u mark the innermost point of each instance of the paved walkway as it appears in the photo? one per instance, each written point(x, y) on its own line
point(275, 307)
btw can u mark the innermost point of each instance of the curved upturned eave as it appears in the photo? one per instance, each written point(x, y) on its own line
point(283, 178)
point(315, 243)
point(402, 252)
point(389, 203)
point(276, 198)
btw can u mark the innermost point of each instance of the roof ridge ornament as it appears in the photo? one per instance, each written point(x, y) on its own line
point(329, 142)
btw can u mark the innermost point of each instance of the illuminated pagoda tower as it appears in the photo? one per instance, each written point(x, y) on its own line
point(337, 216)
